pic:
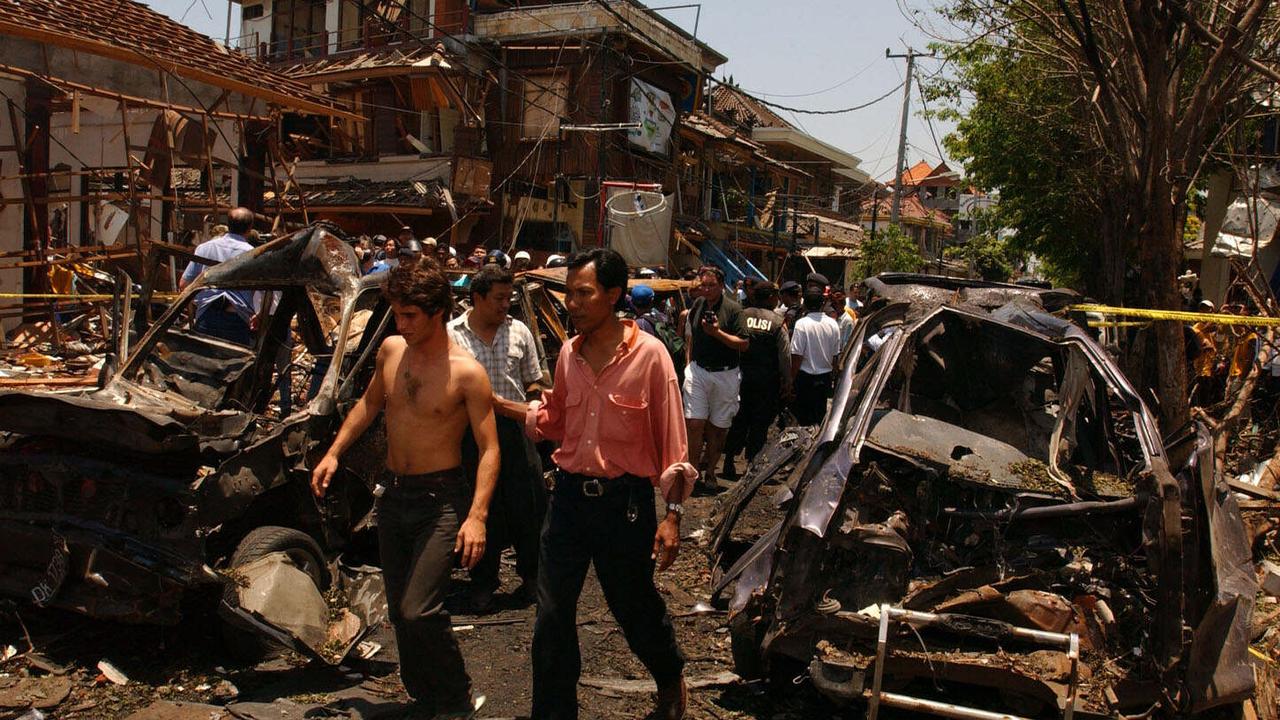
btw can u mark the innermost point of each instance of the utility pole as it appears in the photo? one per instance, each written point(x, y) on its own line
point(911, 56)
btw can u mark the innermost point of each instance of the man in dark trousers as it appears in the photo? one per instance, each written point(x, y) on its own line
point(615, 410)
point(505, 347)
point(427, 518)
point(766, 376)
point(712, 378)
point(815, 342)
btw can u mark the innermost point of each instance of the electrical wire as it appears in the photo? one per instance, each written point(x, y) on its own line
point(837, 86)
point(924, 103)
point(803, 111)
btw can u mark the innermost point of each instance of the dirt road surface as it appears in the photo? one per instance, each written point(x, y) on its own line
point(186, 672)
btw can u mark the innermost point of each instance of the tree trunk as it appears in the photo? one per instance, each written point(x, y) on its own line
point(1161, 252)
point(1108, 283)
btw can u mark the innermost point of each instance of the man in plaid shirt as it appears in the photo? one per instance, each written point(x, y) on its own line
point(506, 348)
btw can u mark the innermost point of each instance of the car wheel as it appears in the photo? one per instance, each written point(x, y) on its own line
point(303, 552)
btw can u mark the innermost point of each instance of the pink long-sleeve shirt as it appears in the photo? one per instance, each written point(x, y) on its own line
point(626, 420)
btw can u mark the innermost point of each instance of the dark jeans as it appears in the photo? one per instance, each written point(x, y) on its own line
point(418, 521)
point(518, 506)
point(615, 533)
point(217, 321)
point(812, 392)
point(758, 406)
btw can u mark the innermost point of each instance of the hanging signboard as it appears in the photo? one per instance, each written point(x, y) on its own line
point(652, 108)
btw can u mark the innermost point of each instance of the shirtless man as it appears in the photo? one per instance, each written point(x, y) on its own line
point(430, 390)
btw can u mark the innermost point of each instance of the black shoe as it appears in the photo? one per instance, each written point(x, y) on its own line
point(703, 488)
point(525, 595)
point(480, 601)
point(730, 471)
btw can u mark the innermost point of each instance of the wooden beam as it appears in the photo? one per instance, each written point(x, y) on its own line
point(68, 85)
point(209, 76)
point(360, 210)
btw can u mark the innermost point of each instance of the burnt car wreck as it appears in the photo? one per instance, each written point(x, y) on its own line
point(988, 520)
point(194, 458)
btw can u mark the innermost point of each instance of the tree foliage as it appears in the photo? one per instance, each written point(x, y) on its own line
point(891, 250)
point(989, 255)
point(1018, 130)
point(1113, 108)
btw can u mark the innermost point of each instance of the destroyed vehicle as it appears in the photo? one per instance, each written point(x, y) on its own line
point(988, 520)
point(194, 459)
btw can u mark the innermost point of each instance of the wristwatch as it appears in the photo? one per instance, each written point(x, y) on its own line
point(676, 508)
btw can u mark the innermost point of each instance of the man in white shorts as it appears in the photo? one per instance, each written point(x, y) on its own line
point(717, 339)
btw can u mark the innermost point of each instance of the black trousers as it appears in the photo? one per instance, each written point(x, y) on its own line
point(812, 392)
point(758, 407)
point(418, 521)
point(615, 533)
point(518, 506)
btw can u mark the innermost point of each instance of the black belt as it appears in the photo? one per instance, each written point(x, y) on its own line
point(439, 478)
point(594, 486)
point(716, 368)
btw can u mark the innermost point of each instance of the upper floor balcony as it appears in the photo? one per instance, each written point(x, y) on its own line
point(289, 31)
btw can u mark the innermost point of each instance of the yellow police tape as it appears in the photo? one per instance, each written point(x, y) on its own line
point(76, 298)
point(1179, 315)
point(1119, 323)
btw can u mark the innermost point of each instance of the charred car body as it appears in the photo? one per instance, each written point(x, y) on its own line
point(989, 517)
point(116, 501)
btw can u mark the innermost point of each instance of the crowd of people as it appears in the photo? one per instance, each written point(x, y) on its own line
point(464, 402)
point(747, 357)
point(380, 253)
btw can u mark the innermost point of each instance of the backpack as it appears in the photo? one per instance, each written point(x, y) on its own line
point(670, 337)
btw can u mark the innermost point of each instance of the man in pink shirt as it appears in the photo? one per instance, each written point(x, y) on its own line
point(615, 410)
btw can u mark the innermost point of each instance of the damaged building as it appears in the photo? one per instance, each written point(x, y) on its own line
point(989, 520)
point(461, 107)
point(122, 130)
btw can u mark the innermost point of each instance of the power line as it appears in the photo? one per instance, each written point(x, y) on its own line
point(837, 86)
point(802, 111)
point(924, 102)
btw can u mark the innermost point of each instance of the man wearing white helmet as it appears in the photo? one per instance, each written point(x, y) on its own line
point(522, 262)
point(555, 261)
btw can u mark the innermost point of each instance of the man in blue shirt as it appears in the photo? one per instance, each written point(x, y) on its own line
point(223, 314)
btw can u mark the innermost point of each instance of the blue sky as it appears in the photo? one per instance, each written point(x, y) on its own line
point(827, 53)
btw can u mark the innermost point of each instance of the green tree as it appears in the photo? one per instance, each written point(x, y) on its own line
point(989, 255)
point(1147, 91)
point(1018, 131)
point(891, 250)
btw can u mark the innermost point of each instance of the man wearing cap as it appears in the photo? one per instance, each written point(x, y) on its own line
point(522, 262)
point(814, 345)
point(615, 410)
point(642, 304)
point(506, 349)
point(406, 236)
point(766, 376)
point(499, 258)
point(790, 306)
point(712, 377)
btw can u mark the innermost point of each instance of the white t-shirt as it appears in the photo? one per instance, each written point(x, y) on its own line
point(816, 339)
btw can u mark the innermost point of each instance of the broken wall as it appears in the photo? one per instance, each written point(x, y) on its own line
point(95, 138)
point(11, 214)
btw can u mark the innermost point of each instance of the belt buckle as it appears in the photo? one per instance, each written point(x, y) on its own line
point(592, 488)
